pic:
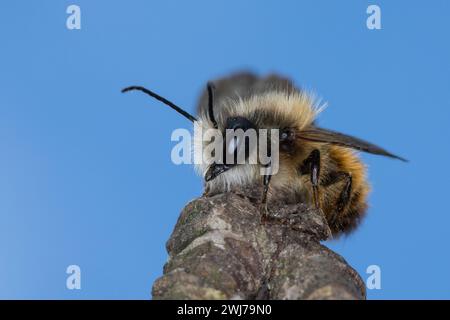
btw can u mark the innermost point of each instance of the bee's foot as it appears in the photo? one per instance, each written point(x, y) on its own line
point(264, 213)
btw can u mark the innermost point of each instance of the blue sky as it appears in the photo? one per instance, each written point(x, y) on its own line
point(85, 172)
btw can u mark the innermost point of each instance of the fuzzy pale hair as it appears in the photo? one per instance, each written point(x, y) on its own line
point(295, 109)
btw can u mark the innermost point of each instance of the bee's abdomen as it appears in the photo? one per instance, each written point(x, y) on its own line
point(344, 189)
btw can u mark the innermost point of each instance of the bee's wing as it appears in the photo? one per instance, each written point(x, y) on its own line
point(336, 138)
point(242, 85)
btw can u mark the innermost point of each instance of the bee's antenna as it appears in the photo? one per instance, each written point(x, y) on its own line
point(211, 89)
point(163, 100)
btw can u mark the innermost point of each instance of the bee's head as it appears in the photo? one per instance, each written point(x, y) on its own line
point(282, 115)
point(245, 131)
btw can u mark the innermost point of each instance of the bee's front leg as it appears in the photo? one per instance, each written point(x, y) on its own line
point(345, 194)
point(266, 181)
point(263, 208)
point(206, 190)
point(311, 165)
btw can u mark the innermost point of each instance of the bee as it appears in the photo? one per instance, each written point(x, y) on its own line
point(317, 166)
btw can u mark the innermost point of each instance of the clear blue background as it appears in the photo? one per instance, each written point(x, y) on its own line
point(85, 172)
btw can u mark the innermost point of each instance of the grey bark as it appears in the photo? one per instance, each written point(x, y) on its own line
point(220, 249)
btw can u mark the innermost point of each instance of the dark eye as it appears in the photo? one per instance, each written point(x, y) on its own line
point(239, 123)
point(286, 135)
point(287, 140)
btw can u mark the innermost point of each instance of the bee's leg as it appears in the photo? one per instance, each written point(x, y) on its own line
point(266, 182)
point(345, 195)
point(311, 165)
point(206, 191)
point(264, 210)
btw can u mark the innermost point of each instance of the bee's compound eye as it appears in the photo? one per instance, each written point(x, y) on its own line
point(237, 122)
point(286, 134)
